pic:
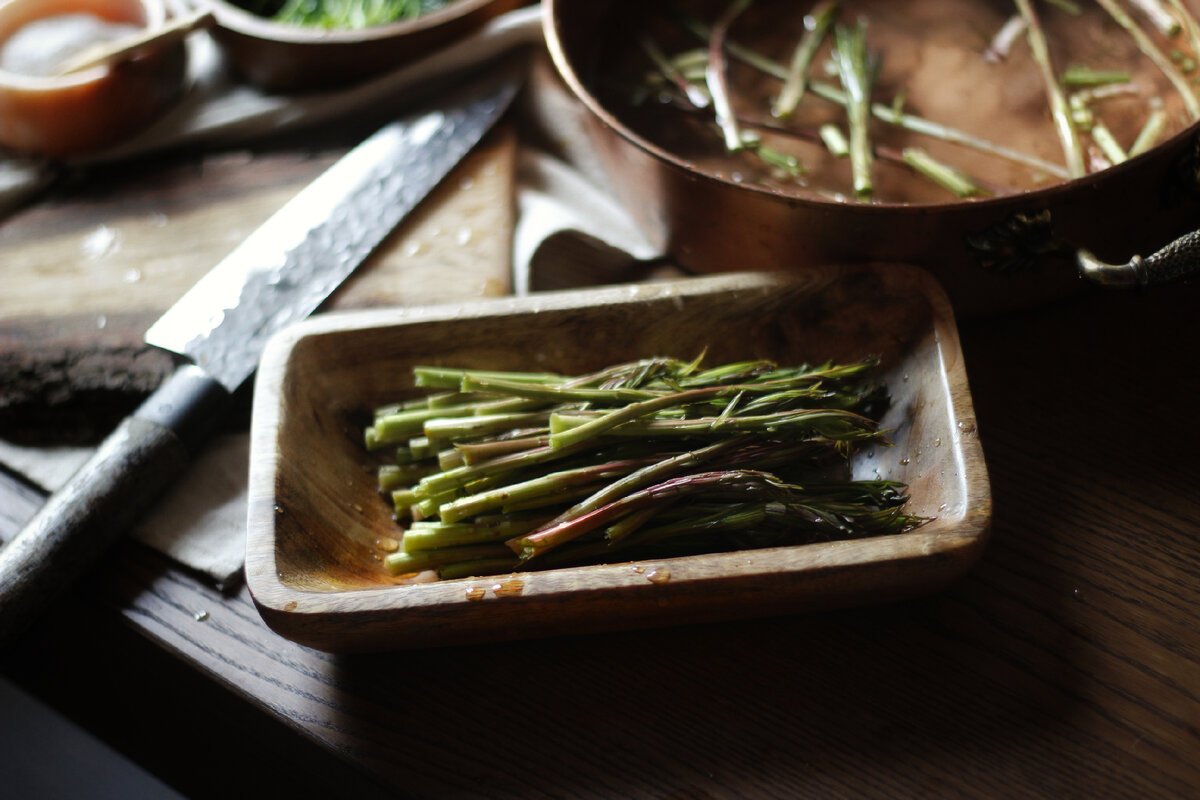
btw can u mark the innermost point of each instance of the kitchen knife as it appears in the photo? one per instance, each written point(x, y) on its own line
point(277, 276)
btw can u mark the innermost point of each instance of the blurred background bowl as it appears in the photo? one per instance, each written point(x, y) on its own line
point(68, 115)
point(292, 58)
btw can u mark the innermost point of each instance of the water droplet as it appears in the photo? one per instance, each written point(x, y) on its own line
point(659, 575)
point(413, 248)
point(639, 569)
point(133, 275)
point(201, 616)
point(101, 243)
point(463, 236)
point(466, 183)
point(387, 544)
point(905, 460)
point(101, 322)
point(508, 588)
point(937, 442)
point(476, 592)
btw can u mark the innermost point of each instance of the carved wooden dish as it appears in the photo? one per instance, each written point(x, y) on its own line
point(314, 560)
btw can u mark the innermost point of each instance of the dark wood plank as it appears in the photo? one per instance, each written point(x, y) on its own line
point(1065, 665)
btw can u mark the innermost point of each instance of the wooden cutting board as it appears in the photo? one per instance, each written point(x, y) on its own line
point(90, 267)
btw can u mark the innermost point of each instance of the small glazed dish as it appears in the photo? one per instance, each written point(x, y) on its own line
point(318, 528)
point(292, 58)
point(60, 116)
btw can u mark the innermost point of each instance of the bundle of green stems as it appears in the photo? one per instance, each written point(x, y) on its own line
point(493, 472)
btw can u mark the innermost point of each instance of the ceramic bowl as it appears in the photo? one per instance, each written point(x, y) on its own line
point(69, 115)
point(291, 58)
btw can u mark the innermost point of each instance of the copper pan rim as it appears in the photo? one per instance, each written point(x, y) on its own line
point(566, 67)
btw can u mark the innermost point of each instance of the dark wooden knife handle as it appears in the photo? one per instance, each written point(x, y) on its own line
point(101, 501)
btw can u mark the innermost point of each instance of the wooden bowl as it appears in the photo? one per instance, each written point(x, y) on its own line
point(316, 520)
point(992, 254)
point(86, 111)
point(291, 58)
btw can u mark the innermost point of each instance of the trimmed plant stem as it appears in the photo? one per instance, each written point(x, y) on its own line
point(1152, 52)
point(850, 56)
point(816, 25)
point(885, 112)
point(717, 79)
point(711, 447)
point(1059, 110)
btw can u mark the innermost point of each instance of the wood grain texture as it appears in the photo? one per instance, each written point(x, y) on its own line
point(88, 270)
point(1064, 665)
point(316, 520)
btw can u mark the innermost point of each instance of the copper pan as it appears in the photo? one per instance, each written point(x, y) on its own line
point(991, 255)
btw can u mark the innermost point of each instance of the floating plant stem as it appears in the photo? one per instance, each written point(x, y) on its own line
point(1151, 132)
point(854, 69)
point(1002, 43)
point(1190, 25)
point(816, 26)
point(882, 111)
point(949, 178)
point(1151, 51)
point(1107, 143)
point(717, 76)
point(1159, 16)
point(1067, 6)
point(1079, 76)
point(696, 95)
point(1059, 110)
point(835, 140)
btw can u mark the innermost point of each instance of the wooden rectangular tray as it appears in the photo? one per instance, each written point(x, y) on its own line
point(316, 520)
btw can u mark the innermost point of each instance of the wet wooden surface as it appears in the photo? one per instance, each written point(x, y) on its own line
point(91, 266)
point(1064, 665)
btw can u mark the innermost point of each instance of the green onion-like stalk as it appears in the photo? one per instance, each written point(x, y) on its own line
point(1080, 76)
point(816, 26)
point(739, 455)
point(717, 76)
point(944, 175)
point(1064, 126)
point(854, 69)
point(883, 111)
point(1108, 143)
point(1152, 52)
point(1151, 132)
point(696, 95)
point(1159, 16)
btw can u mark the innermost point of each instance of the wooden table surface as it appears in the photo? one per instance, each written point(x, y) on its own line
point(1067, 664)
